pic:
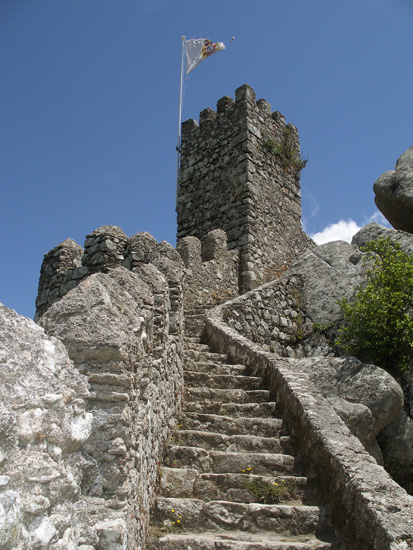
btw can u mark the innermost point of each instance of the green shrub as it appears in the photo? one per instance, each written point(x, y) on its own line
point(378, 322)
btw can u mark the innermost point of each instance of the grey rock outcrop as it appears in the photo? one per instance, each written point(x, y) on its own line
point(394, 193)
point(396, 444)
point(330, 272)
point(366, 397)
point(105, 313)
point(43, 424)
point(396, 439)
point(374, 231)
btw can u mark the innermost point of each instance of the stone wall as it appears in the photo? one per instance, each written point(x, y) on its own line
point(122, 325)
point(240, 172)
point(60, 272)
point(298, 315)
point(271, 315)
point(211, 275)
point(371, 510)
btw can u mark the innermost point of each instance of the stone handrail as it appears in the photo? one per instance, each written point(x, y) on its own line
point(370, 510)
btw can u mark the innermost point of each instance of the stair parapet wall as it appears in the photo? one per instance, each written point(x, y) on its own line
point(123, 329)
point(371, 510)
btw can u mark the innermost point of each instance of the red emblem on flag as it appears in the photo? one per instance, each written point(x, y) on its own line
point(208, 48)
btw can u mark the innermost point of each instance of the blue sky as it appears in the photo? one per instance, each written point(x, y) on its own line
point(89, 110)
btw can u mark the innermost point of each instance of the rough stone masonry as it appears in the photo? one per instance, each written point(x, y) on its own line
point(240, 172)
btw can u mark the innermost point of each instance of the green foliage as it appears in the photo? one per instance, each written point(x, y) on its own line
point(378, 322)
point(319, 328)
point(286, 151)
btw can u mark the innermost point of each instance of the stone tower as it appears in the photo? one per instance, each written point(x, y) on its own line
point(240, 172)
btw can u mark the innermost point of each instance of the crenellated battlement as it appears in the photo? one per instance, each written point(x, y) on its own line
point(240, 172)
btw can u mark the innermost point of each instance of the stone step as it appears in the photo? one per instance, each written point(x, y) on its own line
point(229, 481)
point(227, 381)
point(231, 443)
point(262, 427)
point(222, 462)
point(195, 346)
point(239, 540)
point(195, 316)
point(236, 487)
point(194, 323)
point(206, 356)
point(231, 409)
point(221, 515)
point(214, 368)
point(194, 331)
point(192, 339)
point(226, 395)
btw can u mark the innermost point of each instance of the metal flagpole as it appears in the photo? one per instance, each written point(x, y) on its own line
point(178, 146)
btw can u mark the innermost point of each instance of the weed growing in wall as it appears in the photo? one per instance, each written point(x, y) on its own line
point(378, 322)
point(286, 151)
point(319, 328)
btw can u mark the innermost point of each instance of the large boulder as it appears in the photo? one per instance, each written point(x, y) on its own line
point(374, 231)
point(43, 424)
point(330, 272)
point(394, 193)
point(396, 444)
point(365, 396)
point(103, 316)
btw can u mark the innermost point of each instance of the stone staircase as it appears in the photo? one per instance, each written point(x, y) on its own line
point(230, 479)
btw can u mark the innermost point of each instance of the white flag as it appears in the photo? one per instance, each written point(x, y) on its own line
point(198, 49)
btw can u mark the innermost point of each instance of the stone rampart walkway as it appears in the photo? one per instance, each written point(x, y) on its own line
point(231, 479)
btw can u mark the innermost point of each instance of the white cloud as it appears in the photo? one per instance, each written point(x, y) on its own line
point(340, 231)
point(344, 230)
point(378, 218)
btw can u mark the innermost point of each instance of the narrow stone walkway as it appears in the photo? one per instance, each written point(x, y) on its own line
point(230, 479)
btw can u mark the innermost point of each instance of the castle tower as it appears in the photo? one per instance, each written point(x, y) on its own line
point(240, 172)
